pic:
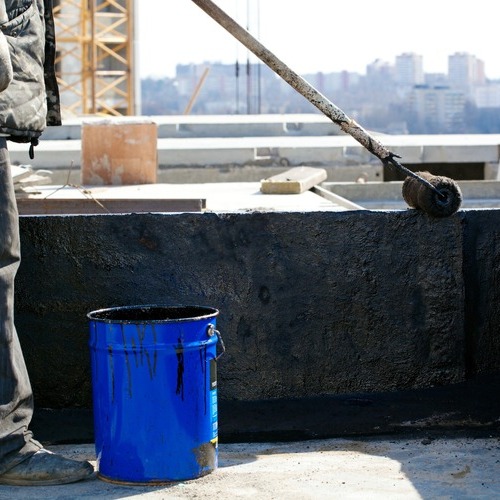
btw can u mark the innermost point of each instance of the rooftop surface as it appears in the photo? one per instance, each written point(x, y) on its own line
point(235, 196)
point(412, 468)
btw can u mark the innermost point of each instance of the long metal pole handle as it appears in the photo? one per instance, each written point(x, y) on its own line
point(347, 124)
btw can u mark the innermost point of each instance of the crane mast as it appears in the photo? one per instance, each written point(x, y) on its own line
point(95, 57)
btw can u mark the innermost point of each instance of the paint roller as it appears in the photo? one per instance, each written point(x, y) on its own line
point(435, 195)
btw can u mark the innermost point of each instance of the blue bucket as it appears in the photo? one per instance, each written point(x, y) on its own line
point(154, 383)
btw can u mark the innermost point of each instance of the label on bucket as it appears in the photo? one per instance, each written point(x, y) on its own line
point(213, 396)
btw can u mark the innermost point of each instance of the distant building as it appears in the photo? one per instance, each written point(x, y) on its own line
point(487, 96)
point(409, 70)
point(436, 79)
point(380, 69)
point(330, 83)
point(465, 71)
point(438, 109)
point(228, 88)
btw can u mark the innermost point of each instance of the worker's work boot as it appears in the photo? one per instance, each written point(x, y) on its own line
point(46, 468)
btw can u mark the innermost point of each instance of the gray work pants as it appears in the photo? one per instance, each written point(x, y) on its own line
point(16, 398)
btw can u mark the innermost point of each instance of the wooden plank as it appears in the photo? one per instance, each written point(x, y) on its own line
point(58, 206)
point(294, 181)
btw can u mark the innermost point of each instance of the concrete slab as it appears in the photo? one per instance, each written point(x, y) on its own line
point(220, 197)
point(416, 468)
point(214, 125)
point(287, 150)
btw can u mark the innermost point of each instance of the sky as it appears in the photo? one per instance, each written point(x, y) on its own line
point(319, 35)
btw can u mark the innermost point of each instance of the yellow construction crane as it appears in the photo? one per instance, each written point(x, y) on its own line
point(95, 57)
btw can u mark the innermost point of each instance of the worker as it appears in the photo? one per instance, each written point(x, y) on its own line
point(29, 100)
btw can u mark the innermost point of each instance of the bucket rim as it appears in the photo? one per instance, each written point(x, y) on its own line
point(206, 312)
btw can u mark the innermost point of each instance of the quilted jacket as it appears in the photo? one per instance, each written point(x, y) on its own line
point(31, 101)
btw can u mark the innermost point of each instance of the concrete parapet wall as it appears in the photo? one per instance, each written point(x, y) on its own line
point(310, 304)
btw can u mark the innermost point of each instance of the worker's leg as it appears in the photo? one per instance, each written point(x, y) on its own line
point(16, 405)
point(23, 461)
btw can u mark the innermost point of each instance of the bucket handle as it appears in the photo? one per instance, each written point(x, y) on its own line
point(211, 331)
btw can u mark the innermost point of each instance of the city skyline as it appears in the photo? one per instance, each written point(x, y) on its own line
point(313, 37)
